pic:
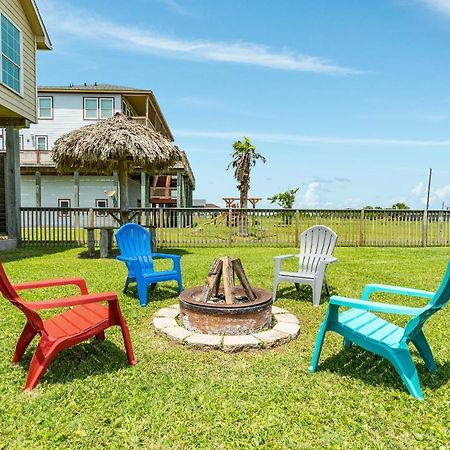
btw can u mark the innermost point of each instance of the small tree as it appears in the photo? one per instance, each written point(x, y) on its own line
point(286, 200)
point(244, 157)
point(400, 205)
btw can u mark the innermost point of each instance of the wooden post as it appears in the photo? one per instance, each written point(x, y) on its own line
point(104, 242)
point(161, 226)
point(230, 218)
point(440, 223)
point(123, 183)
point(76, 197)
point(144, 190)
point(297, 228)
point(12, 183)
point(91, 218)
point(37, 179)
point(362, 237)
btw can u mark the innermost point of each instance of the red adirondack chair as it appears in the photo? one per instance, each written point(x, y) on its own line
point(87, 318)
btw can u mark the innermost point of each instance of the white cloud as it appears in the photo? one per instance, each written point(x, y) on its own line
point(418, 190)
point(443, 193)
point(96, 30)
point(311, 198)
point(295, 139)
point(441, 6)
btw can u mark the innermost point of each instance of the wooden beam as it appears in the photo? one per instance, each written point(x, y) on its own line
point(211, 287)
point(239, 271)
point(228, 285)
point(12, 183)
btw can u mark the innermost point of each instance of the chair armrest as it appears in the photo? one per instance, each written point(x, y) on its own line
point(280, 258)
point(374, 306)
point(166, 255)
point(125, 258)
point(74, 301)
point(329, 260)
point(370, 288)
point(80, 282)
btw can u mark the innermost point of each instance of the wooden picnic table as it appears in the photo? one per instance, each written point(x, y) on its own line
point(106, 240)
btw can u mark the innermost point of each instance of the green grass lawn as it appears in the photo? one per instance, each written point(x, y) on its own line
point(177, 398)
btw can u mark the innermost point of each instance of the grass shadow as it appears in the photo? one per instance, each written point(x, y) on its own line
point(84, 254)
point(32, 252)
point(304, 293)
point(158, 294)
point(374, 370)
point(81, 361)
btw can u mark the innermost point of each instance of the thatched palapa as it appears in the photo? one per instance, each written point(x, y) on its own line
point(118, 143)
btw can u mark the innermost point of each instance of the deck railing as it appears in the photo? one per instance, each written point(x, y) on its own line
point(189, 227)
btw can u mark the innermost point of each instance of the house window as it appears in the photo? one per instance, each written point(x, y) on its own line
point(106, 108)
point(98, 108)
point(90, 108)
point(10, 40)
point(20, 142)
point(101, 203)
point(41, 143)
point(45, 107)
point(2, 139)
point(64, 204)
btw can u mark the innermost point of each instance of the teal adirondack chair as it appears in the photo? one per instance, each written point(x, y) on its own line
point(358, 325)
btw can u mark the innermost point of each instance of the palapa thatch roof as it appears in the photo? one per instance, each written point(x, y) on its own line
point(102, 146)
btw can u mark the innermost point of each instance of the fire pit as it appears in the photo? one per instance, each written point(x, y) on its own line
point(227, 309)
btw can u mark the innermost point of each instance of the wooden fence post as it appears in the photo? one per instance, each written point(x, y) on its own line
point(425, 228)
point(230, 218)
point(161, 225)
point(440, 234)
point(297, 229)
point(362, 234)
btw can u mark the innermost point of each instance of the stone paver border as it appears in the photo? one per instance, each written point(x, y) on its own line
point(286, 329)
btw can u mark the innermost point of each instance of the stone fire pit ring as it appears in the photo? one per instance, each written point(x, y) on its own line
point(286, 329)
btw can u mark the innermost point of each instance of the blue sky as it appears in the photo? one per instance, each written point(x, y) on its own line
point(348, 100)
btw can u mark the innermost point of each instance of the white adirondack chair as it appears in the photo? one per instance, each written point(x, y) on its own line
point(316, 247)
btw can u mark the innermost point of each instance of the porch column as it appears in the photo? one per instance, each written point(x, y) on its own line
point(179, 190)
point(38, 185)
point(12, 183)
point(76, 197)
point(144, 190)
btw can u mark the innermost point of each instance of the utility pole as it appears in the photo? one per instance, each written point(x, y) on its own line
point(429, 189)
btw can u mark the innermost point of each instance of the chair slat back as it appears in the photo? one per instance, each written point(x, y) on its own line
point(316, 243)
point(11, 294)
point(439, 300)
point(143, 264)
point(133, 240)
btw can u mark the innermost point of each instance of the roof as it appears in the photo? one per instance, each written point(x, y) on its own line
point(99, 87)
point(37, 25)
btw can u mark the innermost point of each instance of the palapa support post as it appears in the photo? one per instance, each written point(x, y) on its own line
point(228, 267)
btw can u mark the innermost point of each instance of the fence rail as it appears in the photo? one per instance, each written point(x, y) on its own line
point(190, 227)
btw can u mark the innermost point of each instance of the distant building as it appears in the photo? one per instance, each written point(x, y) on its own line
point(64, 108)
point(22, 32)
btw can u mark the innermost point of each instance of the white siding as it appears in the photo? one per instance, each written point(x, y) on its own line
point(67, 116)
point(62, 187)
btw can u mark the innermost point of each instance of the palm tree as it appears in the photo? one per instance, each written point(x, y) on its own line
point(244, 157)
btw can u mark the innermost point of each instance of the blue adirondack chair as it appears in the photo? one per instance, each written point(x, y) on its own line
point(358, 325)
point(134, 244)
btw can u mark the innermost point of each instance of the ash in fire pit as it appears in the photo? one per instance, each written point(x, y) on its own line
point(227, 309)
